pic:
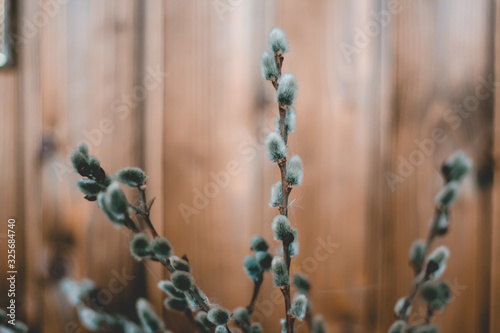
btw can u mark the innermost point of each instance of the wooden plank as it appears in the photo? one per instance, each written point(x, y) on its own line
point(11, 183)
point(426, 86)
point(494, 305)
point(29, 101)
point(152, 133)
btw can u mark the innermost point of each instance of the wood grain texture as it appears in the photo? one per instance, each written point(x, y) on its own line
point(175, 88)
point(495, 234)
point(430, 79)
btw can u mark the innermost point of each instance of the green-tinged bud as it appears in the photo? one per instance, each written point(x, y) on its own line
point(280, 272)
point(169, 289)
point(201, 320)
point(132, 177)
point(90, 319)
point(219, 316)
point(220, 329)
point(139, 246)
point(294, 171)
point(281, 226)
point(101, 202)
point(80, 163)
point(182, 280)
point(192, 302)
point(84, 149)
point(284, 328)
point(318, 324)
point(277, 41)
point(448, 194)
point(287, 90)
point(252, 267)
point(398, 327)
point(417, 253)
point(268, 66)
point(115, 201)
point(255, 328)
point(264, 259)
point(276, 148)
point(456, 167)
point(293, 247)
point(276, 195)
point(299, 306)
point(436, 294)
point(398, 308)
point(161, 248)
point(436, 262)
point(150, 321)
point(257, 243)
point(19, 327)
point(75, 291)
point(301, 283)
point(241, 317)
point(290, 121)
point(89, 186)
point(176, 304)
point(128, 326)
point(94, 165)
point(440, 222)
point(179, 264)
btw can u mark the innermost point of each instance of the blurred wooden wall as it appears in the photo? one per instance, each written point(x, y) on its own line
point(174, 87)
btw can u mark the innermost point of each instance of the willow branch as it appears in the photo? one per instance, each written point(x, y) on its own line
point(285, 192)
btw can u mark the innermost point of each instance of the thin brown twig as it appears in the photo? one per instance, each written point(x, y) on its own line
point(285, 192)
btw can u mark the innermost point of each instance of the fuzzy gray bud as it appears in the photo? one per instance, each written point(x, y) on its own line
point(299, 306)
point(278, 42)
point(318, 324)
point(115, 201)
point(417, 253)
point(161, 248)
point(268, 66)
point(180, 264)
point(287, 90)
point(80, 163)
point(132, 177)
point(150, 321)
point(448, 194)
point(139, 246)
point(203, 323)
point(257, 243)
point(176, 304)
point(436, 261)
point(241, 317)
point(89, 186)
point(276, 148)
point(398, 307)
point(302, 284)
point(264, 259)
point(255, 328)
point(219, 316)
point(280, 272)
point(169, 289)
point(182, 280)
point(456, 167)
point(276, 195)
point(398, 327)
point(252, 267)
point(281, 227)
point(294, 171)
point(436, 294)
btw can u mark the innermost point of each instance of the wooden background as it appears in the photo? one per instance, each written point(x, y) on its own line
point(84, 69)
